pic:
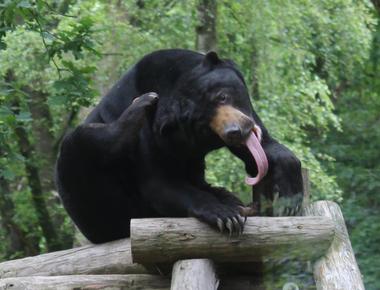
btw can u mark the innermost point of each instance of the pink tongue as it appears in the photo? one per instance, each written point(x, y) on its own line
point(258, 153)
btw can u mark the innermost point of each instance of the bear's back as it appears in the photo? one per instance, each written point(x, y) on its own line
point(155, 72)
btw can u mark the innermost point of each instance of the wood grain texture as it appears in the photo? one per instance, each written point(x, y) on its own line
point(115, 282)
point(169, 239)
point(337, 270)
point(114, 257)
point(87, 282)
point(194, 274)
point(306, 187)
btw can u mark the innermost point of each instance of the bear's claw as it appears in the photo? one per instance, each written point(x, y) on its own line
point(145, 99)
point(288, 205)
point(223, 217)
point(220, 225)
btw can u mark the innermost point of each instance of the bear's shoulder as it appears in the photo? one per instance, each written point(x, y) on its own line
point(163, 67)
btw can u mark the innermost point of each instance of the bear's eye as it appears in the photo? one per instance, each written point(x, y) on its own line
point(222, 97)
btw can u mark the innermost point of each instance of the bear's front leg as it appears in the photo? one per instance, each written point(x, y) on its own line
point(227, 197)
point(284, 177)
point(180, 199)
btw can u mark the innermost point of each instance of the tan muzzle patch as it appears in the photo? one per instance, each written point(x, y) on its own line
point(225, 116)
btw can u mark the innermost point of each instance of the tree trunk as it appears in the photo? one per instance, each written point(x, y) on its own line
point(206, 30)
point(38, 198)
point(27, 150)
point(17, 242)
point(376, 4)
point(255, 80)
point(66, 126)
point(43, 137)
point(45, 152)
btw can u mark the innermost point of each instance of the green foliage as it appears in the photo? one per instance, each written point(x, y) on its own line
point(75, 39)
point(223, 169)
point(294, 94)
point(356, 150)
point(44, 56)
point(10, 13)
point(364, 226)
point(311, 67)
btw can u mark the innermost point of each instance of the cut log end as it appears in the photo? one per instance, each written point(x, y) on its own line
point(337, 269)
point(185, 271)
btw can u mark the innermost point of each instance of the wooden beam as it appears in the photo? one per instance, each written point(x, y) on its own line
point(115, 282)
point(87, 282)
point(109, 258)
point(171, 239)
point(306, 187)
point(114, 257)
point(194, 274)
point(337, 269)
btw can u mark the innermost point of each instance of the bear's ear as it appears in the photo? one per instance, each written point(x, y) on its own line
point(211, 59)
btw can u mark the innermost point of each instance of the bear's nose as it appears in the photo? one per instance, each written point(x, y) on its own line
point(233, 132)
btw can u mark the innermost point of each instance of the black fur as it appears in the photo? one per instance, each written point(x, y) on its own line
point(146, 158)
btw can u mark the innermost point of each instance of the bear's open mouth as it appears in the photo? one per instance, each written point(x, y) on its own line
point(237, 129)
point(257, 131)
point(254, 146)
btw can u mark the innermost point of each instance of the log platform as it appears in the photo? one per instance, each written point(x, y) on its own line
point(202, 257)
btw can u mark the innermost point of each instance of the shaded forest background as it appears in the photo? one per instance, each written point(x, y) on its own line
point(312, 67)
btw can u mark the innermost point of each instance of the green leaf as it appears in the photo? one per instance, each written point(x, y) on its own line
point(24, 117)
point(24, 4)
point(8, 174)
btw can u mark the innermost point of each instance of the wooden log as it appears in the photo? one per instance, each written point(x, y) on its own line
point(169, 239)
point(87, 282)
point(337, 270)
point(114, 282)
point(195, 274)
point(109, 258)
point(306, 187)
point(114, 257)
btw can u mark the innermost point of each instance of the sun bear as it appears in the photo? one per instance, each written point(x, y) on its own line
point(140, 152)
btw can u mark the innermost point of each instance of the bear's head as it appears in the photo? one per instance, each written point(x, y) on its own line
point(211, 102)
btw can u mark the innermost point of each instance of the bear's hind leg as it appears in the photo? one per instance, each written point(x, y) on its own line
point(94, 175)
